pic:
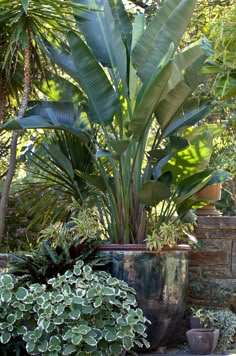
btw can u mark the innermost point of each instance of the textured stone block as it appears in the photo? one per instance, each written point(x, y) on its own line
point(234, 248)
point(215, 234)
point(208, 258)
point(226, 282)
point(217, 222)
point(201, 233)
point(217, 244)
point(195, 271)
point(233, 263)
point(233, 268)
point(216, 272)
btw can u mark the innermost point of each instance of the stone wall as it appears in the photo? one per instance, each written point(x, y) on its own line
point(213, 267)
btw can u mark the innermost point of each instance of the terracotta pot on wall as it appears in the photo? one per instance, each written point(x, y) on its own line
point(211, 192)
point(202, 341)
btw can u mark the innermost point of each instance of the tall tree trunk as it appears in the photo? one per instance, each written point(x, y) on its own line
point(3, 96)
point(12, 164)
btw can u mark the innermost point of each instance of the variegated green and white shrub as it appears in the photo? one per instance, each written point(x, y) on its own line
point(77, 313)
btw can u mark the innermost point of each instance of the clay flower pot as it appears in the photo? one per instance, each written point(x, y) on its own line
point(211, 192)
point(202, 341)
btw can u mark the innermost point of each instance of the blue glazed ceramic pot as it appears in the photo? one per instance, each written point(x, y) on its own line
point(160, 281)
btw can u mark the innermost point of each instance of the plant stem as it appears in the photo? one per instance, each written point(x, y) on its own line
point(13, 149)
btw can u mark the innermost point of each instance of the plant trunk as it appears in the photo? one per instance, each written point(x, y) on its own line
point(15, 136)
point(3, 98)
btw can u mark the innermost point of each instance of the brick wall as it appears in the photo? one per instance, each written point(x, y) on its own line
point(213, 267)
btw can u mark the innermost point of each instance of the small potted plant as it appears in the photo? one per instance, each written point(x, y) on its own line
point(202, 338)
point(212, 191)
point(214, 330)
point(202, 341)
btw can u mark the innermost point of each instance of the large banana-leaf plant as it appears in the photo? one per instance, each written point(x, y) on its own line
point(138, 85)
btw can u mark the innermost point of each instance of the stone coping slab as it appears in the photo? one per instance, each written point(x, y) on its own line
point(179, 352)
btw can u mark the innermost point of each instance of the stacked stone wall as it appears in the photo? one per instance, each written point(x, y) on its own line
point(212, 268)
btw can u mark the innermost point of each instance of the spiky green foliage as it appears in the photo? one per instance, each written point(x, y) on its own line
point(52, 165)
point(60, 248)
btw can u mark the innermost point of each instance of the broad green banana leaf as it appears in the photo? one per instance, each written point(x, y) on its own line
point(184, 79)
point(102, 99)
point(161, 157)
point(168, 26)
point(50, 115)
point(134, 81)
point(148, 98)
point(153, 192)
point(192, 112)
point(191, 160)
point(107, 45)
point(122, 21)
point(142, 49)
point(57, 88)
point(195, 158)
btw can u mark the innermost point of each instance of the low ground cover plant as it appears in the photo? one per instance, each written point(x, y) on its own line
point(79, 312)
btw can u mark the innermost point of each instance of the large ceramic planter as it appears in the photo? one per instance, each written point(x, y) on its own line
point(160, 281)
point(202, 341)
point(211, 192)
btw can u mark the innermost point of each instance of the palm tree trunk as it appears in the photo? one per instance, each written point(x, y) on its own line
point(3, 97)
point(15, 136)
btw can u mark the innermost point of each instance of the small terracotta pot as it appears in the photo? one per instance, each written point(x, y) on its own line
point(202, 341)
point(210, 192)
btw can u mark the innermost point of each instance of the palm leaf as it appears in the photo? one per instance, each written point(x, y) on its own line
point(52, 166)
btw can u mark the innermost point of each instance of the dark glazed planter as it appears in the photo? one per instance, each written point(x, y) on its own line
point(202, 341)
point(160, 280)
